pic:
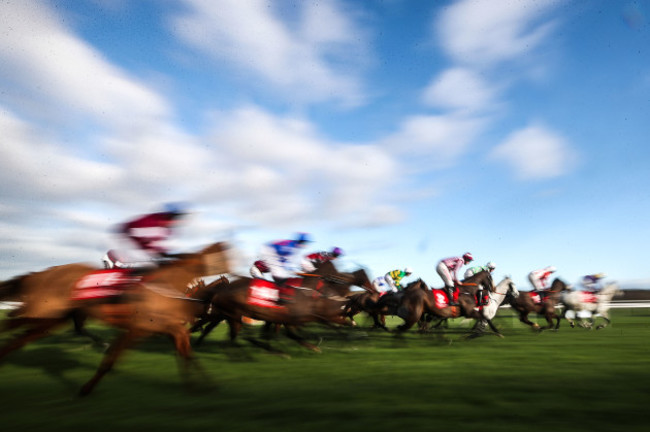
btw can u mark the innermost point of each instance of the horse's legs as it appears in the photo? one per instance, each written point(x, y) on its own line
point(79, 319)
point(38, 330)
point(411, 317)
point(235, 327)
point(296, 337)
point(523, 317)
point(205, 331)
point(181, 337)
point(116, 348)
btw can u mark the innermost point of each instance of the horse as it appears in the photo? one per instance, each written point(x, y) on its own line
point(526, 303)
point(145, 305)
point(503, 290)
point(579, 301)
point(416, 303)
point(316, 298)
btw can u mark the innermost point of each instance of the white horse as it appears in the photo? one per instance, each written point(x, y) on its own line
point(497, 297)
point(578, 303)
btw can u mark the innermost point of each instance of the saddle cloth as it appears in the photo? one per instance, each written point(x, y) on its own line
point(103, 284)
point(264, 293)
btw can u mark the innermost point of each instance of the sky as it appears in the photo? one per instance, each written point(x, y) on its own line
point(402, 131)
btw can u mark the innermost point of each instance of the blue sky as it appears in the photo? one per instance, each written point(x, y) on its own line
point(402, 131)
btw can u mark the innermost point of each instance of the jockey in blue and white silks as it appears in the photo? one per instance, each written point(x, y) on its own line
point(282, 257)
point(591, 283)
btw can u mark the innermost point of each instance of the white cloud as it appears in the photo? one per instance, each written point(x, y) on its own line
point(460, 88)
point(48, 71)
point(304, 61)
point(434, 141)
point(536, 152)
point(31, 165)
point(488, 32)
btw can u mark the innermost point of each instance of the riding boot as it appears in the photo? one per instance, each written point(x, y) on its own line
point(479, 297)
point(450, 294)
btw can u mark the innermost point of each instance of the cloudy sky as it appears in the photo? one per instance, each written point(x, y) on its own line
point(402, 131)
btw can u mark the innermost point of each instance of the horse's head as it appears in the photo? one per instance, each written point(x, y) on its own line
point(559, 285)
point(610, 290)
point(507, 287)
point(512, 288)
point(215, 259)
point(418, 284)
point(483, 277)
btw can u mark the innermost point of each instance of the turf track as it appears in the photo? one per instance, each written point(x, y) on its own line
point(570, 380)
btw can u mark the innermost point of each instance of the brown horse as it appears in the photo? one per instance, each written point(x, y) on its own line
point(145, 307)
point(318, 297)
point(525, 303)
point(417, 300)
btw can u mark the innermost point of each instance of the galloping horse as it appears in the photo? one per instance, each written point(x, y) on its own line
point(525, 304)
point(416, 303)
point(502, 291)
point(144, 307)
point(578, 301)
point(316, 298)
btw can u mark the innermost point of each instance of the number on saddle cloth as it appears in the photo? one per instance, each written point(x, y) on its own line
point(103, 284)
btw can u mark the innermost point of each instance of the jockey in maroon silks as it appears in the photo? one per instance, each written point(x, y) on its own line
point(259, 269)
point(314, 260)
point(145, 237)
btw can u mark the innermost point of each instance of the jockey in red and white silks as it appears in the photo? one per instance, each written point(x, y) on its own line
point(314, 260)
point(538, 278)
point(448, 268)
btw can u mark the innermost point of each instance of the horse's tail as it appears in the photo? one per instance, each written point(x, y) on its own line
point(10, 290)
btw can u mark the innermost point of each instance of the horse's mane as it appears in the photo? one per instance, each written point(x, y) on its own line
point(417, 284)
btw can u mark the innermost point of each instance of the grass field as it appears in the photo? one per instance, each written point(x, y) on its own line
point(569, 380)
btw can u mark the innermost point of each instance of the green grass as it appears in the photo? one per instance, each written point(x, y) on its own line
point(573, 379)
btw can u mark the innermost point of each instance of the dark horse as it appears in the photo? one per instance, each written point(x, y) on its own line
point(147, 306)
point(525, 304)
point(416, 303)
point(317, 297)
point(417, 300)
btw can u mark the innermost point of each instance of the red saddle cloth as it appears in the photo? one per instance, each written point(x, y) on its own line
point(588, 297)
point(103, 284)
point(441, 298)
point(264, 293)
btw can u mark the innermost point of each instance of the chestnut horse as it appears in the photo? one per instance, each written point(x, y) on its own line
point(147, 306)
point(525, 304)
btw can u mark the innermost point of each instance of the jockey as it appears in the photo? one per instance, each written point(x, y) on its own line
point(380, 284)
point(539, 277)
point(489, 267)
point(312, 261)
point(259, 269)
point(393, 278)
point(145, 237)
point(591, 283)
point(447, 270)
point(280, 257)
